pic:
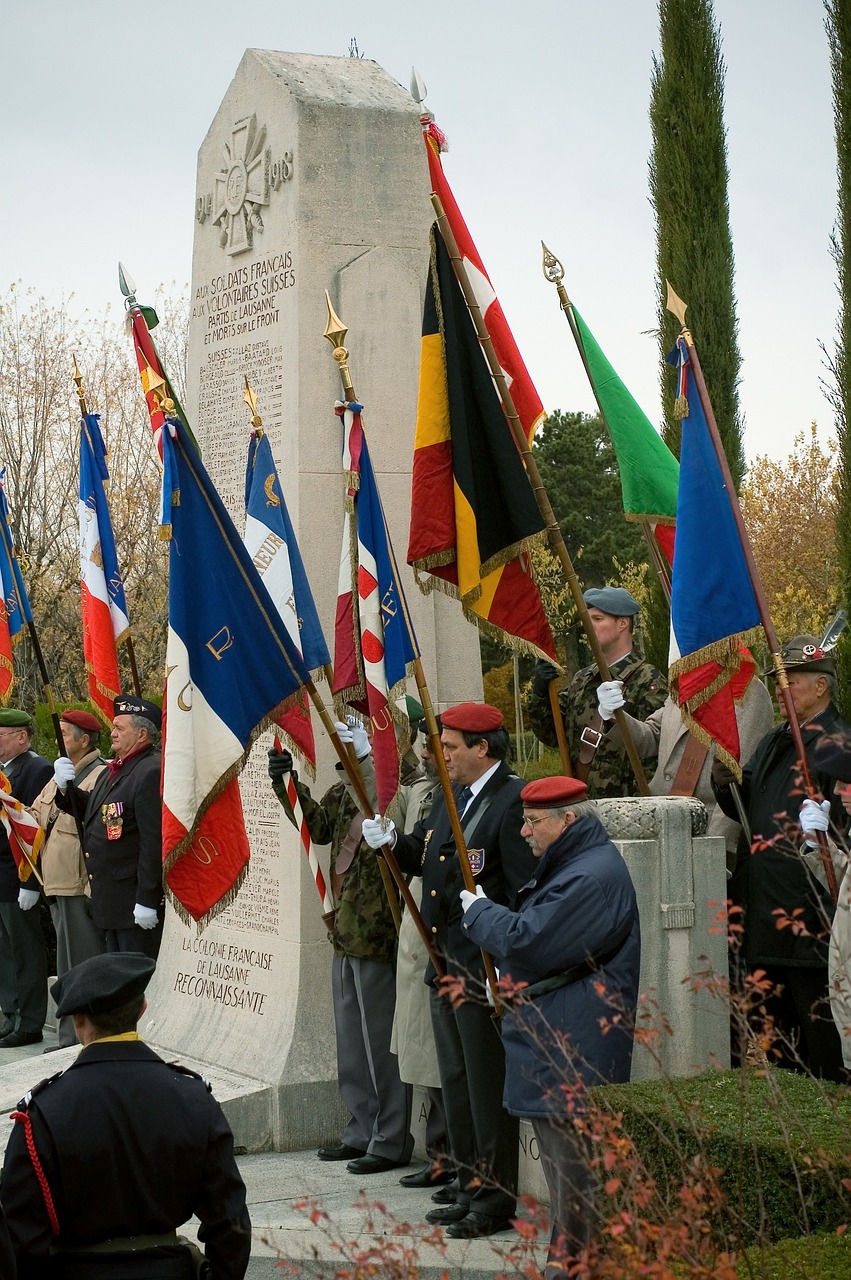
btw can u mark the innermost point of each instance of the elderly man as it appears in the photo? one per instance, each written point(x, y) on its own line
point(23, 960)
point(598, 760)
point(482, 1136)
point(110, 1157)
point(122, 830)
point(772, 882)
point(63, 866)
point(575, 940)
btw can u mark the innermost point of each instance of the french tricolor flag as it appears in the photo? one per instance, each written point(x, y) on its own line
point(104, 607)
point(231, 671)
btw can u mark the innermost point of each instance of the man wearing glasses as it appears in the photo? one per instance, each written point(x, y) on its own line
point(23, 961)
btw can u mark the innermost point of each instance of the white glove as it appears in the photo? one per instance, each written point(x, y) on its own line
point(467, 898)
point(145, 917)
point(354, 734)
point(814, 817)
point(379, 831)
point(27, 898)
point(610, 698)
point(63, 772)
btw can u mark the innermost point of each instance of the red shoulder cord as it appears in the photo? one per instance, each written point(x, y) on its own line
point(23, 1117)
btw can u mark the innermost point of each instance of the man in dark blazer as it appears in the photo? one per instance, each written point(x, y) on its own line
point(23, 960)
point(482, 1136)
point(108, 1158)
point(122, 830)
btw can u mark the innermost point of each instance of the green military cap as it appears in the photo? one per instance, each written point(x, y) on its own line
point(804, 653)
point(14, 718)
point(413, 710)
point(614, 600)
point(102, 983)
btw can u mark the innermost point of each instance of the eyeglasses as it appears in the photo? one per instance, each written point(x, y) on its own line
point(533, 822)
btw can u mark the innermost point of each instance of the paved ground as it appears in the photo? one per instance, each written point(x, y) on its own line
point(313, 1218)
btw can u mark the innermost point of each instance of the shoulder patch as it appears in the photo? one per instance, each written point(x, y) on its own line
point(37, 1088)
point(187, 1071)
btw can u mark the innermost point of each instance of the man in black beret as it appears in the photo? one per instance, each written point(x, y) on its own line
point(129, 1148)
point(771, 882)
point(122, 830)
point(23, 959)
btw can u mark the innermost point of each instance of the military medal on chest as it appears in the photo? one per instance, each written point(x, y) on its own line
point(113, 820)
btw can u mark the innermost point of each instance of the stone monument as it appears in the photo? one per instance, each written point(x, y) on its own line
point(313, 176)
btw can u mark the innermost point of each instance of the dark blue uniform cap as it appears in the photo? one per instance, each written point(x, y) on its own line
point(102, 983)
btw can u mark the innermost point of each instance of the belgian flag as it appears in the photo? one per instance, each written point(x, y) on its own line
point(473, 513)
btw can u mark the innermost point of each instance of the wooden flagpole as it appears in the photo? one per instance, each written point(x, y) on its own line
point(553, 531)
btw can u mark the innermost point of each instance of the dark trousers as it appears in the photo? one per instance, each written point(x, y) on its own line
point(23, 967)
point(135, 939)
point(483, 1138)
point(806, 1037)
point(77, 939)
point(436, 1136)
point(566, 1162)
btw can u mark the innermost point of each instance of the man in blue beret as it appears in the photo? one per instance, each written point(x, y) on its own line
point(23, 959)
point(599, 761)
point(122, 829)
point(108, 1158)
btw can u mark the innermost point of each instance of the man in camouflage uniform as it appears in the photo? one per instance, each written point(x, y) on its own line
point(363, 935)
point(602, 764)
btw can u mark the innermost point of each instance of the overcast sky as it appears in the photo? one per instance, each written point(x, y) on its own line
point(105, 104)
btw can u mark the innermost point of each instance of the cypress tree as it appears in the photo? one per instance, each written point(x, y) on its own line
point(688, 183)
point(838, 27)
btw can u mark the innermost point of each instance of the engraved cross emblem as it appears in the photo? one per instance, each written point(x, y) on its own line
point(241, 186)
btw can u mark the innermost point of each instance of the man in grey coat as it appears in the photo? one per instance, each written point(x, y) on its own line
point(574, 941)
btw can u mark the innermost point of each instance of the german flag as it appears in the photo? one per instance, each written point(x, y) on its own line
point(473, 513)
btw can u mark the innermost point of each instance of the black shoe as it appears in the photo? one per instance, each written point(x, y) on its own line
point(374, 1164)
point(477, 1224)
point(448, 1194)
point(54, 1048)
point(342, 1151)
point(430, 1175)
point(17, 1039)
point(448, 1213)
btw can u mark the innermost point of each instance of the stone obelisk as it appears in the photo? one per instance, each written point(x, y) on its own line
point(313, 176)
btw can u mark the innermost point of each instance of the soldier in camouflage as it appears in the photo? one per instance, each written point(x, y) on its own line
point(363, 935)
point(600, 762)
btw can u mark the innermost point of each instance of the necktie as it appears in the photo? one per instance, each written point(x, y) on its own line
point(465, 795)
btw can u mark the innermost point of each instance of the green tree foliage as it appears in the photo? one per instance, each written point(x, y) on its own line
point(838, 27)
point(688, 183)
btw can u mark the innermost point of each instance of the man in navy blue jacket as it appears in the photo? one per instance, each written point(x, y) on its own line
point(574, 940)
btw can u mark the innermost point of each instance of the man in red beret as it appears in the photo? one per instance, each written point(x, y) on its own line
point(66, 881)
point(482, 1136)
point(574, 939)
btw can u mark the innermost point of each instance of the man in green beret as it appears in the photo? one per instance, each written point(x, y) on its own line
point(23, 960)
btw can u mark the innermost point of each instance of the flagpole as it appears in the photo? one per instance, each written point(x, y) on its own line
point(128, 640)
point(554, 272)
point(553, 531)
point(677, 308)
point(335, 333)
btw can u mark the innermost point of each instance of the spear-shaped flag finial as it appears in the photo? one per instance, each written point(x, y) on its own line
point(127, 285)
point(251, 400)
point(675, 304)
point(418, 88)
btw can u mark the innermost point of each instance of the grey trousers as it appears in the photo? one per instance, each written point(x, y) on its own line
point(378, 1102)
point(77, 939)
point(23, 967)
point(566, 1161)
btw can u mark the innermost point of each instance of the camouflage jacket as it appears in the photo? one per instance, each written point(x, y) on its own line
point(363, 926)
point(644, 690)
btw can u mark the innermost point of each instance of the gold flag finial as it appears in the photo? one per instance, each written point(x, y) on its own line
point(553, 270)
point(675, 304)
point(250, 399)
point(335, 332)
point(81, 395)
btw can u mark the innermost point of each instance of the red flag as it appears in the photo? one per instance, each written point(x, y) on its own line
point(25, 835)
point(527, 402)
